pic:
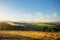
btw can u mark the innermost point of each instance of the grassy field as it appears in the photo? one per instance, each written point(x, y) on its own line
point(29, 31)
point(29, 35)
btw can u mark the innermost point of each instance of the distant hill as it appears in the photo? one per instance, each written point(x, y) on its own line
point(39, 26)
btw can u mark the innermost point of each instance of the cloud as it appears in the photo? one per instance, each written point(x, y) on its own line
point(55, 14)
point(39, 16)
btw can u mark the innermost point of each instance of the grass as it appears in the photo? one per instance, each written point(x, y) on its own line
point(29, 35)
point(43, 24)
point(33, 35)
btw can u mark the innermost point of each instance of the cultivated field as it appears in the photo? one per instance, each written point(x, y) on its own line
point(29, 35)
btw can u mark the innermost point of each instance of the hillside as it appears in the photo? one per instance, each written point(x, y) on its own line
point(29, 31)
point(29, 26)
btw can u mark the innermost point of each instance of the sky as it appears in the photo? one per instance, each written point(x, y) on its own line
point(30, 10)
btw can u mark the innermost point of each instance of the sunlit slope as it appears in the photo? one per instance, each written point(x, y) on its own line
point(43, 24)
point(10, 26)
point(3, 25)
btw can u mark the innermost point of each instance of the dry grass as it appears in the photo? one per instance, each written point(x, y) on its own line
point(35, 34)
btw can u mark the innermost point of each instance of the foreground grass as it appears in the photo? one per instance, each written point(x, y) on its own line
point(31, 35)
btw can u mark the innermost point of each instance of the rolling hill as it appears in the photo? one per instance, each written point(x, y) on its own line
point(29, 26)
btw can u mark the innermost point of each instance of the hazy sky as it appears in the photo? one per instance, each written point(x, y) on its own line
point(30, 10)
